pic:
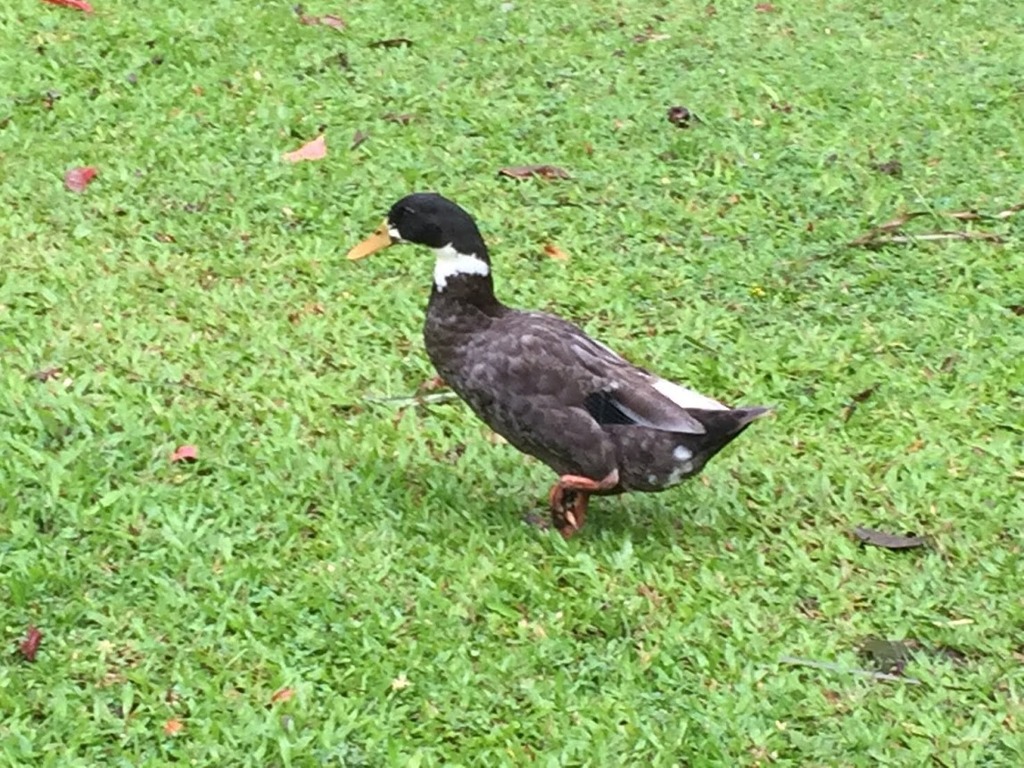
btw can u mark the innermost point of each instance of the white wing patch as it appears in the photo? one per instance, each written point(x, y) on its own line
point(687, 398)
point(679, 474)
point(682, 453)
point(451, 263)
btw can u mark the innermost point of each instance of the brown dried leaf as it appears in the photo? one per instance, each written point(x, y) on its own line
point(1010, 211)
point(281, 695)
point(358, 138)
point(653, 596)
point(526, 171)
point(45, 374)
point(891, 167)
point(892, 541)
point(431, 385)
point(312, 150)
point(555, 252)
point(650, 36)
point(863, 395)
point(964, 215)
point(30, 645)
point(765, 8)
point(312, 308)
point(327, 21)
point(680, 116)
point(400, 118)
point(1017, 309)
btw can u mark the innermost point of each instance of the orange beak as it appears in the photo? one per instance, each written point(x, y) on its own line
point(378, 241)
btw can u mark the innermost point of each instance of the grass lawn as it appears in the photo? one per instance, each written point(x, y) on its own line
point(343, 581)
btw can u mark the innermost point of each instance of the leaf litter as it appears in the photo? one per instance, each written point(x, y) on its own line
point(311, 150)
point(77, 5)
point(855, 400)
point(893, 541)
point(185, 453)
point(556, 253)
point(681, 117)
point(77, 179)
point(358, 138)
point(529, 171)
point(45, 374)
point(309, 20)
point(29, 647)
point(891, 232)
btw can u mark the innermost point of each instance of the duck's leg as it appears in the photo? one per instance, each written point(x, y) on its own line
point(570, 496)
point(568, 509)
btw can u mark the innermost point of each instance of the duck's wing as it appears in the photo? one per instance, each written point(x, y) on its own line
point(617, 392)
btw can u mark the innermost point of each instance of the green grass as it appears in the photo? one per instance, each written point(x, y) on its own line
point(376, 567)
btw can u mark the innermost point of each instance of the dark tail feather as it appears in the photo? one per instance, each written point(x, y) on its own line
point(723, 427)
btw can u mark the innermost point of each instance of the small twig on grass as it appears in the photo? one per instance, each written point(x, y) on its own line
point(829, 667)
point(884, 238)
point(885, 234)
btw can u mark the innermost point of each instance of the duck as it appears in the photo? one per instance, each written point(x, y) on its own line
point(604, 425)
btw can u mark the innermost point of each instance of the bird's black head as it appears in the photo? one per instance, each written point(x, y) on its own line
point(462, 267)
point(426, 218)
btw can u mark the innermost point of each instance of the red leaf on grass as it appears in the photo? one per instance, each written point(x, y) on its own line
point(312, 150)
point(187, 453)
point(30, 645)
point(78, 5)
point(555, 252)
point(173, 727)
point(325, 21)
point(526, 171)
point(77, 179)
point(282, 694)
